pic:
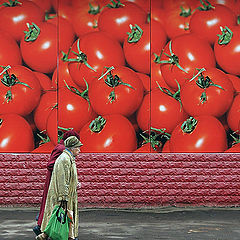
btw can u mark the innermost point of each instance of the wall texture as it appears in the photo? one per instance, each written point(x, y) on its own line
point(129, 180)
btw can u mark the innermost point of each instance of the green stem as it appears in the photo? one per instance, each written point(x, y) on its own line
point(225, 37)
point(11, 3)
point(97, 124)
point(189, 125)
point(32, 33)
point(135, 34)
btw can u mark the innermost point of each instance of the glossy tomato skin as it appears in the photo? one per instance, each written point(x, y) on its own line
point(235, 148)
point(44, 80)
point(44, 148)
point(85, 18)
point(25, 12)
point(208, 136)
point(117, 135)
point(9, 50)
point(159, 110)
point(15, 134)
point(73, 110)
point(235, 81)
point(233, 115)
point(147, 148)
point(46, 104)
point(44, 48)
point(137, 54)
point(225, 52)
point(210, 22)
point(24, 98)
point(116, 21)
point(101, 51)
point(127, 99)
point(192, 53)
point(217, 100)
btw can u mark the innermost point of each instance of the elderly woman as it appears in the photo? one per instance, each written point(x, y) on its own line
point(63, 186)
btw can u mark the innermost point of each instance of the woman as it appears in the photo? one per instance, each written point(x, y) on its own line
point(63, 186)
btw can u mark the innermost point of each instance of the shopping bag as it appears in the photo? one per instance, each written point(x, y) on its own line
point(57, 228)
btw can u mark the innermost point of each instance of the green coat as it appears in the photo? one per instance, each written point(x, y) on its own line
point(63, 186)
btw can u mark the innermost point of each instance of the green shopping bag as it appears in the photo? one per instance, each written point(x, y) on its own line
point(57, 228)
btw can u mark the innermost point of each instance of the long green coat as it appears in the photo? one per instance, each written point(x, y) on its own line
point(63, 186)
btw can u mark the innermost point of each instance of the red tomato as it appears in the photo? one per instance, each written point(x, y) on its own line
point(232, 4)
point(160, 110)
point(147, 148)
point(15, 134)
point(235, 81)
point(51, 127)
point(61, 76)
point(85, 17)
point(201, 134)
point(137, 48)
point(66, 34)
point(43, 45)
point(210, 21)
point(74, 110)
point(235, 148)
point(226, 50)
point(110, 133)
point(210, 93)
point(46, 104)
point(158, 14)
point(44, 80)
point(99, 51)
point(44, 148)
point(9, 50)
point(45, 5)
point(64, 10)
point(115, 20)
point(176, 4)
point(146, 81)
point(233, 116)
point(177, 20)
point(166, 147)
point(118, 92)
point(20, 91)
point(31, 122)
point(13, 18)
point(187, 52)
point(144, 4)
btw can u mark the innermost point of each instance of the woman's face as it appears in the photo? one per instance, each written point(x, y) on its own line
point(76, 151)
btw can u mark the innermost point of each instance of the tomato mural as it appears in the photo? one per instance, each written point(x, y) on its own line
point(158, 76)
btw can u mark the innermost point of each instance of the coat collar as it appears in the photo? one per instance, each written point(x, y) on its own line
point(69, 153)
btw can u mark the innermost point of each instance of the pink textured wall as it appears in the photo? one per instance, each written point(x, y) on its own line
point(129, 180)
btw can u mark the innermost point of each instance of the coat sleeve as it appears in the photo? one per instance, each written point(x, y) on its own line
point(63, 178)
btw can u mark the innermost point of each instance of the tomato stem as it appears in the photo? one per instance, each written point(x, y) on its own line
point(48, 16)
point(93, 10)
point(189, 125)
point(225, 37)
point(163, 132)
point(135, 34)
point(205, 6)
point(173, 59)
point(115, 4)
point(152, 139)
point(32, 33)
point(185, 13)
point(97, 124)
point(11, 3)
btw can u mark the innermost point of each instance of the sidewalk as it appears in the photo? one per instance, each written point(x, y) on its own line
point(145, 224)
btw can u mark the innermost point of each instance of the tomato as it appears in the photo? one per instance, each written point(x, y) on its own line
point(158, 36)
point(210, 93)
point(45, 5)
point(51, 126)
point(177, 21)
point(9, 50)
point(156, 74)
point(99, 51)
point(232, 4)
point(115, 20)
point(200, 134)
point(61, 76)
point(235, 81)
point(66, 34)
point(110, 133)
point(144, 4)
point(158, 14)
point(166, 147)
point(74, 109)
point(226, 48)
point(235, 148)
point(42, 42)
point(146, 81)
point(44, 148)
point(46, 104)
point(20, 91)
point(160, 109)
point(44, 80)
point(137, 48)
point(15, 134)
point(233, 115)
point(176, 4)
point(211, 19)
point(120, 91)
point(186, 53)
point(64, 10)
point(85, 18)
point(13, 18)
